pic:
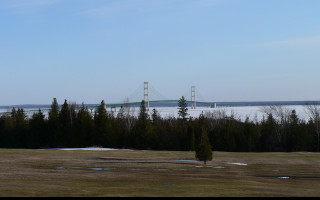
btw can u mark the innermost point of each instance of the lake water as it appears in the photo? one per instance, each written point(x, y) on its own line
point(240, 110)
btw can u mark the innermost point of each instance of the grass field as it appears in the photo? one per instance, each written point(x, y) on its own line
point(156, 173)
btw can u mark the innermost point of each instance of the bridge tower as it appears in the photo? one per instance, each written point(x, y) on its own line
point(146, 95)
point(193, 97)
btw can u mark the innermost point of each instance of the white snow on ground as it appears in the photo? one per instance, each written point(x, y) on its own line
point(186, 160)
point(241, 164)
point(90, 149)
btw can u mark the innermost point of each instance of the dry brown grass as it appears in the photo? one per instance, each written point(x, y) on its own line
point(156, 173)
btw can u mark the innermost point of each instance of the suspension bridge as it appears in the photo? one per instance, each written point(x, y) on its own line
point(153, 98)
point(146, 92)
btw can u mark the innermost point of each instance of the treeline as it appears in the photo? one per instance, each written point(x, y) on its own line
point(69, 126)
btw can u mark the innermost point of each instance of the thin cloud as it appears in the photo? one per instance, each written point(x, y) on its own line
point(26, 6)
point(146, 5)
point(112, 8)
point(303, 41)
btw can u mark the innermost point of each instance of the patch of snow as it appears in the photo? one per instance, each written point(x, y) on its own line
point(96, 168)
point(60, 168)
point(90, 149)
point(186, 160)
point(100, 169)
point(218, 167)
point(241, 164)
point(134, 169)
point(160, 169)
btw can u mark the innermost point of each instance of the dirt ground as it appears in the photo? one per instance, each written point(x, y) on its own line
point(131, 173)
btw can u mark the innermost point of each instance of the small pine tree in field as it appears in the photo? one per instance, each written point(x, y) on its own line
point(203, 148)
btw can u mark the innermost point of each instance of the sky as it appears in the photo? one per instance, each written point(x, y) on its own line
point(93, 50)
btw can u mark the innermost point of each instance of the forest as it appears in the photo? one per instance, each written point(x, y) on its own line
point(70, 126)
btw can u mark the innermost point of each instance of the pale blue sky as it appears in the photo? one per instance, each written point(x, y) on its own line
point(93, 50)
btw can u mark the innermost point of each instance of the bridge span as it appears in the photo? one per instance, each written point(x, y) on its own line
point(147, 90)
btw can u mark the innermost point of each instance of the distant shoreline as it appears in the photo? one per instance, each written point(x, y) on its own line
point(171, 104)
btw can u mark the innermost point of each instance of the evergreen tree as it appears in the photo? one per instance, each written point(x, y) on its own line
point(142, 135)
point(53, 124)
point(20, 136)
point(21, 117)
point(268, 135)
point(79, 129)
point(38, 130)
point(10, 129)
point(104, 133)
point(252, 136)
point(191, 138)
point(84, 127)
point(65, 126)
point(8, 125)
point(121, 114)
point(203, 148)
point(54, 111)
point(156, 129)
point(100, 122)
point(155, 116)
point(2, 131)
point(120, 128)
point(298, 137)
point(143, 115)
point(13, 114)
point(183, 110)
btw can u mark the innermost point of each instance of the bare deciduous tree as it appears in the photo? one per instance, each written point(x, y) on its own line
point(282, 116)
point(215, 117)
point(129, 116)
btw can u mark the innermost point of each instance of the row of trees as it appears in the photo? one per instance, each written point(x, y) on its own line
point(69, 126)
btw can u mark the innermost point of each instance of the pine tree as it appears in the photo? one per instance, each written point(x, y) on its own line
point(21, 129)
point(268, 134)
point(203, 148)
point(155, 116)
point(37, 130)
point(191, 138)
point(13, 114)
point(53, 124)
point(298, 137)
point(84, 127)
point(54, 111)
point(143, 115)
point(64, 118)
point(183, 110)
point(104, 132)
point(142, 135)
point(120, 115)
